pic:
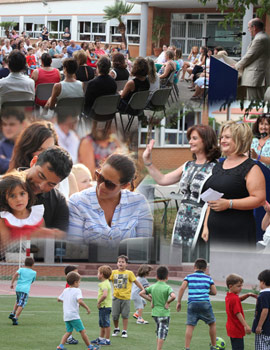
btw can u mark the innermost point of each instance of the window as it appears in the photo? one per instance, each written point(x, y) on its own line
point(133, 31)
point(115, 36)
point(33, 30)
point(173, 129)
point(91, 31)
point(56, 28)
point(84, 31)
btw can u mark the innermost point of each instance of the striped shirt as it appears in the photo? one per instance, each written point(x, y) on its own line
point(198, 286)
point(87, 223)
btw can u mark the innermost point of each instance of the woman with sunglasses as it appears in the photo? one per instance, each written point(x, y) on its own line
point(109, 212)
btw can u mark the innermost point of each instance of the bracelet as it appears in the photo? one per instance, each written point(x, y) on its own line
point(259, 157)
point(148, 164)
point(230, 204)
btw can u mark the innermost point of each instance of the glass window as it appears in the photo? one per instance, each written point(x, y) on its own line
point(63, 24)
point(98, 27)
point(133, 31)
point(53, 26)
point(28, 27)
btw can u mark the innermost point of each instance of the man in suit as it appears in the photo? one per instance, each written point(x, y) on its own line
point(255, 65)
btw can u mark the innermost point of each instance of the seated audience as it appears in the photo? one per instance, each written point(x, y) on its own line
point(84, 72)
point(153, 77)
point(54, 52)
point(31, 60)
point(4, 71)
point(140, 82)
point(192, 60)
point(6, 49)
point(119, 68)
point(82, 176)
point(98, 50)
point(16, 80)
point(161, 58)
point(169, 67)
point(103, 84)
point(45, 75)
point(69, 87)
point(72, 48)
point(12, 123)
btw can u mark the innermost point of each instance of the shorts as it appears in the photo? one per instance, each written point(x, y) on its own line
point(201, 310)
point(262, 342)
point(120, 307)
point(76, 324)
point(139, 302)
point(21, 299)
point(104, 317)
point(162, 326)
point(237, 343)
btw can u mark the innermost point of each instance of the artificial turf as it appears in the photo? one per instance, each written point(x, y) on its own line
point(41, 327)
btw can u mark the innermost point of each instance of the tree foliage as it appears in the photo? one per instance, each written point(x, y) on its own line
point(238, 8)
point(119, 9)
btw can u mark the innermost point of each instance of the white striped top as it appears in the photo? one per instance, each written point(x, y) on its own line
point(87, 223)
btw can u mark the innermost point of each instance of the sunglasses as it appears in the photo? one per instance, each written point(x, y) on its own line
point(108, 184)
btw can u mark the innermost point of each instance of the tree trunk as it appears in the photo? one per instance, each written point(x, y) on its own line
point(122, 30)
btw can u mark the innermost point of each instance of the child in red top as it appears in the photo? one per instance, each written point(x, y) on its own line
point(236, 325)
point(31, 60)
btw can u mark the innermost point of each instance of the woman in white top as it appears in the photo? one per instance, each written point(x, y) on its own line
point(153, 77)
point(69, 87)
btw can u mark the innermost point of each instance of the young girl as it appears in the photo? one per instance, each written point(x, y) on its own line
point(139, 302)
point(18, 218)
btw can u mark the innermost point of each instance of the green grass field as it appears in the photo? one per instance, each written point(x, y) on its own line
point(41, 327)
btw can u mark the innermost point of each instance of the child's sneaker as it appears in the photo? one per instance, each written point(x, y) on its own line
point(124, 334)
point(104, 342)
point(96, 341)
point(11, 315)
point(213, 348)
point(15, 321)
point(116, 332)
point(59, 348)
point(135, 315)
point(141, 321)
point(71, 340)
point(93, 347)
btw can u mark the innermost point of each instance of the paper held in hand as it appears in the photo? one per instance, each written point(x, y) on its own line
point(211, 195)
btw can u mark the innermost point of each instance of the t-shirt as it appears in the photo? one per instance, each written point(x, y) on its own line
point(234, 306)
point(160, 292)
point(198, 286)
point(26, 277)
point(105, 285)
point(70, 297)
point(122, 283)
point(263, 302)
point(135, 289)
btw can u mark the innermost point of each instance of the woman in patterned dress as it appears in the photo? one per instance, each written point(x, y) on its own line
point(192, 176)
point(260, 147)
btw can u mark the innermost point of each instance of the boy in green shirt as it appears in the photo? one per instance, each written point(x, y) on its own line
point(104, 305)
point(161, 295)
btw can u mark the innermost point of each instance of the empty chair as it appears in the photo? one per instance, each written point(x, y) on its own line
point(158, 100)
point(134, 107)
point(120, 84)
point(56, 63)
point(73, 106)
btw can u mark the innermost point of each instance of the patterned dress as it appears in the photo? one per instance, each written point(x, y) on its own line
point(192, 210)
point(264, 151)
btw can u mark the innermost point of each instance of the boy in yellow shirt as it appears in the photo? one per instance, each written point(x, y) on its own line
point(122, 283)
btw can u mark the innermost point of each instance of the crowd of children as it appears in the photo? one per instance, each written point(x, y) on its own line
point(161, 295)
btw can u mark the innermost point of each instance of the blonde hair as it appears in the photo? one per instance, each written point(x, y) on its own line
point(80, 56)
point(80, 167)
point(241, 135)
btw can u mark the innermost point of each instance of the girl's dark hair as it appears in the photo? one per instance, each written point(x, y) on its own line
point(204, 49)
point(210, 141)
point(29, 142)
point(125, 166)
point(104, 65)
point(7, 185)
point(144, 270)
point(71, 65)
point(140, 67)
point(255, 127)
point(118, 60)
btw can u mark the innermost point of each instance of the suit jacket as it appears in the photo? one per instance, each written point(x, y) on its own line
point(255, 64)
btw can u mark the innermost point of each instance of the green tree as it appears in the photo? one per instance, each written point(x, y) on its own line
point(238, 8)
point(7, 26)
point(118, 10)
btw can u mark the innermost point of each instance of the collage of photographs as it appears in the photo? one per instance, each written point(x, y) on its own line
point(135, 174)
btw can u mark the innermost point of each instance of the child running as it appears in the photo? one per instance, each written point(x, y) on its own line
point(199, 286)
point(139, 302)
point(122, 283)
point(261, 323)
point(104, 305)
point(26, 276)
point(72, 299)
point(161, 295)
point(69, 268)
point(18, 217)
point(236, 325)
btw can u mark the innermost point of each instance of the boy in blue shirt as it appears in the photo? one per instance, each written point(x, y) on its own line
point(199, 286)
point(26, 276)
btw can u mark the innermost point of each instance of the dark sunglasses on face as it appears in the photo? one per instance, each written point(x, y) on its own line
point(108, 184)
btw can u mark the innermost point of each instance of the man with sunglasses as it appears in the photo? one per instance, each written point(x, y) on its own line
point(109, 212)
